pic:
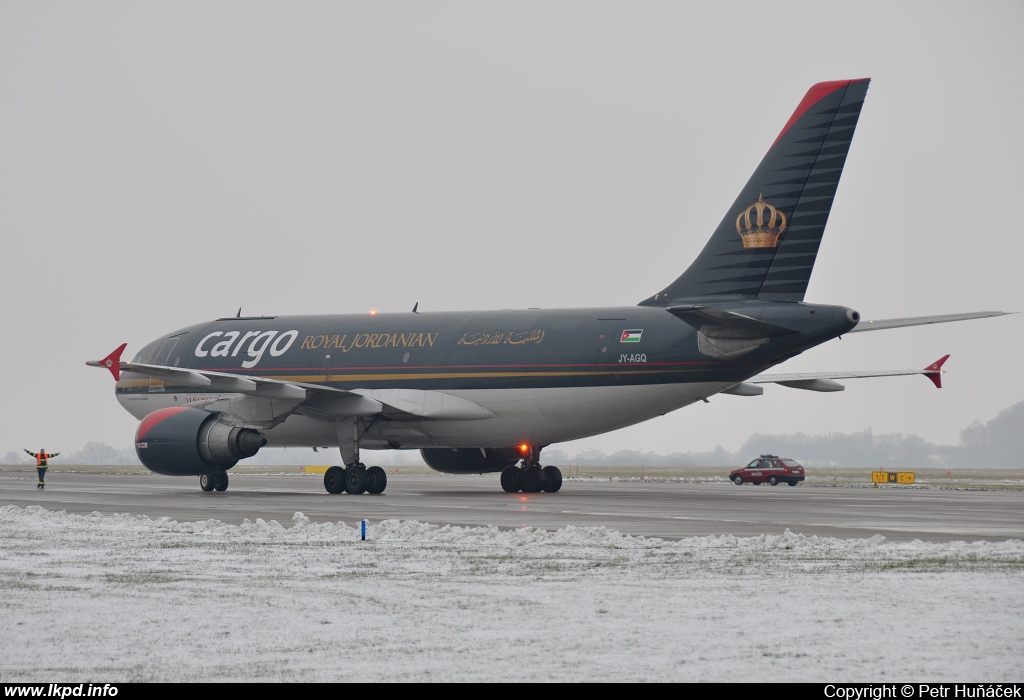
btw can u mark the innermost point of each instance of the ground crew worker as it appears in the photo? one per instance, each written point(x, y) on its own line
point(41, 464)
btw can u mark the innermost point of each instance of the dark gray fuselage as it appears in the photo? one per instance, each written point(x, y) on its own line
point(547, 375)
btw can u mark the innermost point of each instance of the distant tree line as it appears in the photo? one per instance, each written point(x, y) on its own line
point(998, 443)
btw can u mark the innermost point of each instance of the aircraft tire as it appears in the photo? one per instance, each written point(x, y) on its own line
point(376, 480)
point(334, 480)
point(738, 480)
point(355, 479)
point(221, 483)
point(207, 482)
point(554, 479)
point(773, 481)
point(510, 479)
point(532, 480)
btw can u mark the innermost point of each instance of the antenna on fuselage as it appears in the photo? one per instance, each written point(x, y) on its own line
point(239, 314)
point(416, 306)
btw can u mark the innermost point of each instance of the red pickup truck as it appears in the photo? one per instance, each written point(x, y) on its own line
point(771, 469)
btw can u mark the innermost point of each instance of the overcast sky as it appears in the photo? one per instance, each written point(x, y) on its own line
point(163, 164)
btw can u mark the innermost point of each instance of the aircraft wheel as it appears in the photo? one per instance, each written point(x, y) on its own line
point(554, 475)
point(510, 479)
point(376, 480)
point(207, 482)
point(532, 480)
point(221, 483)
point(334, 480)
point(738, 480)
point(773, 481)
point(355, 479)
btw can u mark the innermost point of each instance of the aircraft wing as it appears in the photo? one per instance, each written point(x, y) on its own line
point(922, 320)
point(221, 381)
point(266, 399)
point(826, 381)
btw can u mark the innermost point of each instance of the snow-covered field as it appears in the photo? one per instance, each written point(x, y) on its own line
point(127, 598)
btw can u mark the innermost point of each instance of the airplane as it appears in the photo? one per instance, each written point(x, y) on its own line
point(486, 391)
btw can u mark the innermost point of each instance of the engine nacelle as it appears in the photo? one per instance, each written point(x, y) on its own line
point(180, 441)
point(470, 460)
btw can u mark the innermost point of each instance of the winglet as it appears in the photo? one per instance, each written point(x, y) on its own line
point(111, 362)
point(934, 371)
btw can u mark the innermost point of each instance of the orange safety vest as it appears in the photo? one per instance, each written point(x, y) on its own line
point(41, 459)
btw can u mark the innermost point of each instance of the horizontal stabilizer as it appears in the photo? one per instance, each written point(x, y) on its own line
point(885, 323)
point(825, 381)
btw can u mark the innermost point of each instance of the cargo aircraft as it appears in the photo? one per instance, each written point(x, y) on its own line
point(486, 391)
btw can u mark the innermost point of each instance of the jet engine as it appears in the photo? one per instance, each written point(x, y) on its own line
point(470, 460)
point(180, 441)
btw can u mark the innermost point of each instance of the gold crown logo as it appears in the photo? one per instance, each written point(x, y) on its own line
point(764, 230)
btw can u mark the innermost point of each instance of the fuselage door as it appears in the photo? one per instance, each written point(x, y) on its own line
point(606, 348)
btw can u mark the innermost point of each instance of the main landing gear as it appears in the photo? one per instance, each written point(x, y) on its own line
point(216, 481)
point(530, 477)
point(355, 478)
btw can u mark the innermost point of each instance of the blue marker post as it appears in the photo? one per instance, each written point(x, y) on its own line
point(364, 531)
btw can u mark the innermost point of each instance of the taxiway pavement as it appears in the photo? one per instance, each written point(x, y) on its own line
point(669, 510)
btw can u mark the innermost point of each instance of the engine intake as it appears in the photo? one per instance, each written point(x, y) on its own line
point(180, 441)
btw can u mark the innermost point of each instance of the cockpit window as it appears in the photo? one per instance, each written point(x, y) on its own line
point(147, 354)
point(159, 352)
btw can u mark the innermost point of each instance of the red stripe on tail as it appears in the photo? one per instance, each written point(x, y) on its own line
point(813, 96)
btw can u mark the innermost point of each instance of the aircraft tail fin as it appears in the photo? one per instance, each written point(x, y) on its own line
point(766, 245)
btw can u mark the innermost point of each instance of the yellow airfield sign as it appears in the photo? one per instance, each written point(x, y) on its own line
point(892, 477)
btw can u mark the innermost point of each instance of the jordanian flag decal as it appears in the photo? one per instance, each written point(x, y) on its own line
point(631, 336)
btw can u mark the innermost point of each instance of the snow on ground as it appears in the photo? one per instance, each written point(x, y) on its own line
point(127, 598)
